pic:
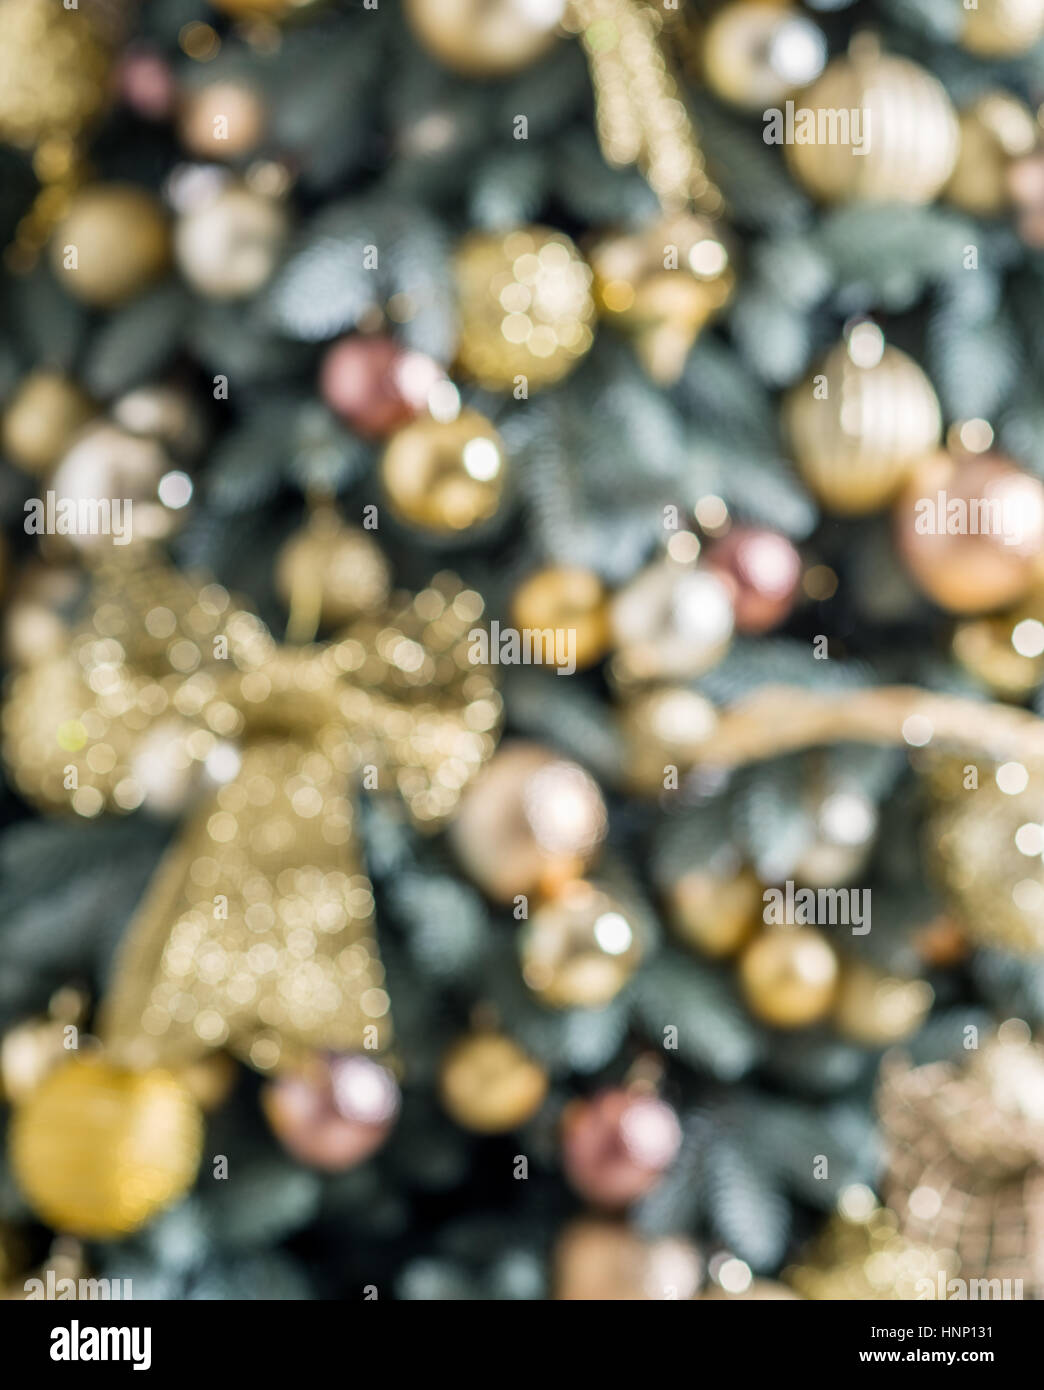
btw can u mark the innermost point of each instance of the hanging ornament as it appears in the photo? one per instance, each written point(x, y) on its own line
point(599, 1260)
point(569, 598)
point(445, 476)
point(763, 570)
point(106, 461)
point(860, 422)
point(489, 1085)
point(332, 1112)
point(662, 286)
point(1002, 28)
point(755, 53)
point(146, 83)
point(789, 976)
point(965, 1158)
point(970, 530)
point(228, 241)
point(31, 1050)
point(617, 1145)
point(485, 38)
point(524, 305)
point(663, 729)
point(875, 1009)
point(41, 418)
point(906, 144)
point(35, 618)
point(529, 824)
point(844, 828)
point(375, 384)
point(715, 908)
point(1026, 188)
point(112, 243)
point(221, 120)
point(579, 948)
point(328, 573)
point(673, 621)
point(995, 131)
point(1005, 653)
point(167, 414)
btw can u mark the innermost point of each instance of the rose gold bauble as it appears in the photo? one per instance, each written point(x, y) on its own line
point(970, 530)
point(763, 570)
point(599, 1260)
point(334, 1112)
point(375, 384)
point(530, 822)
point(488, 1084)
point(789, 976)
point(146, 83)
point(112, 243)
point(617, 1145)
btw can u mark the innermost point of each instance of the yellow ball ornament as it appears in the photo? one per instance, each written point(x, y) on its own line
point(488, 1084)
point(755, 52)
point(789, 976)
point(875, 1009)
point(40, 420)
point(330, 572)
point(112, 243)
point(995, 130)
point(1002, 28)
point(99, 1150)
point(485, 38)
point(570, 599)
point(445, 476)
point(579, 949)
point(525, 307)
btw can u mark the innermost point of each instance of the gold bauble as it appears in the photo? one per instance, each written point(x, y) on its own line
point(875, 1009)
point(662, 286)
point(995, 129)
point(789, 976)
point(524, 305)
point(34, 626)
point(112, 243)
point(98, 1150)
point(579, 949)
point(485, 38)
point(331, 570)
point(488, 1084)
point(107, 462)
point(228, 245)
point(52, 71)
point(673, 621)
point(856, 443)
point(1005, 653)
point(222, 120)
point(566, 597)
point(598, 1260)
point(714, 912)
point(664, 729)
point(756, 51)
point(41, 418)
point(908, 134)
point(529, 823)
point(1002, 28)
point(445, 476)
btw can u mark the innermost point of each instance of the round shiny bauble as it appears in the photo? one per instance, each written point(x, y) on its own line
point(488, 1084)
point(112, 243)
point(788, 976)
point(664, 728)
point(165, 413)
point(29, 1052)
point(35, 619)
point(715, 913)
point(617, 1145)
point(337, 571)
point(763, 570)
point(222, 120)
point(601, 1260)
point(334, 1111)
point(970, 530)
point(524, 305)
point(906, 143)
point(996, 129)
point(875, 1009)
point(485, 38)
point(755, 52)
point(228, 246)
point(1005, 653)
point(860, 423)
point(375, 384)
point(106, 462)
point(671, 622)
point(99, 1150)
point(570, 599)
point(445, 476)
point(580, 948)
point(41, 418)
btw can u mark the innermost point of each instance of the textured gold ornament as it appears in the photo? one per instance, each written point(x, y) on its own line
point(1002, 28)
point(485, 38)
point(445, 476)
point(909, 131)
point(525, 307)
point(995, 130)
point(98, 1150)
point(856, 445)
point(580, 948)
point(789, 976)
point(490, 1085)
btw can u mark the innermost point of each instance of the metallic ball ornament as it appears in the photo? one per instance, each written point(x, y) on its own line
point(333, 1112)
point(763, 569)
point(445, 476)
point(673, 621)
point(580, 948)
point(617, 1145)
point(41, 419)
point(601, 1260)
point(755, 52)
point(227, 246)
point(112, 243)
point(375, 384)
point(485, 38)
point(337, 571)
point(569, 598)
point(488, 1084)
point(789, 976)
point(996, 130)
point(1002, 28)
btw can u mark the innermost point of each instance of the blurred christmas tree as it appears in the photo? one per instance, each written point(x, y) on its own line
point(346, 296)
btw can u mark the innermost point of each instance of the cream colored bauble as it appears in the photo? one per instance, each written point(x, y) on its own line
point(1002, 28)
point(228, 247)
point(485, 38)
point(106, 464)
point(755, 52)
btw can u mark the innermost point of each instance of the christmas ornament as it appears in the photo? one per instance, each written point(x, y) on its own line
point(1025, 180)
point(1006, 653)
point(332, 1112)
point(1002, 28)
point(905, 145)
point(566, 597)
point(222, 120)
point(488, 1084)
point(41, 418)
point(375, 384)
point(112, 243)
point(965, 1159)
point(524, 305)
point(28, 1053)
point(529, 824)
point(789, 976)
point(970, 530)
point(763, 570)
point(662, 286)
point(146, 83)
point(755, 53)
point(228, 244)
point(165, 413)
point(715, 908)
point(875, 1009)
point(580, 948)
point(445, 476)
point(995, 130)
point(672, 622)
point(34, 620)
point(663, 729)
point(328, 573)
point(844, 827)
point(52, 72)
point(617, 1145)
point(108, 462)
point(489, 39)
point(601, 1260)
point(860, 423)
point(98, 1149)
